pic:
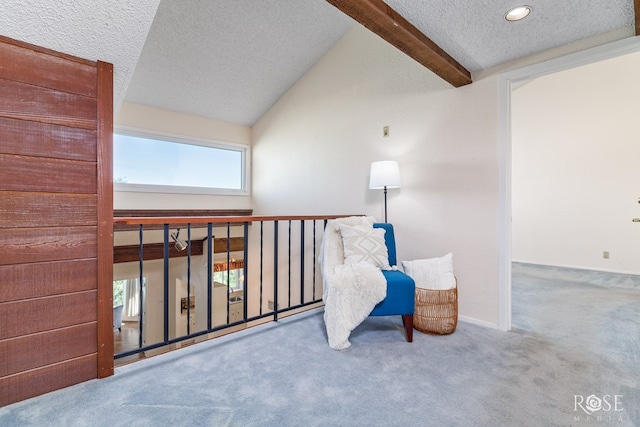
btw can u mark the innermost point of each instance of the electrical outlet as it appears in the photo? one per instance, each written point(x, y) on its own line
point(605, 254)
point(385, 131)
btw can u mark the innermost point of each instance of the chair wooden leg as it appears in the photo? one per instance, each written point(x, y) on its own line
point(407, 321)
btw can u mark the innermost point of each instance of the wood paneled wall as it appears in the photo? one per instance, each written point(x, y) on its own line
point(56, 210)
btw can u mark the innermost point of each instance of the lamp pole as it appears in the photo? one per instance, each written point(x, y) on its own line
point(385, 203)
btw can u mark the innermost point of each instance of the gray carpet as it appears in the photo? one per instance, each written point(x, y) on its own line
point(576, 333)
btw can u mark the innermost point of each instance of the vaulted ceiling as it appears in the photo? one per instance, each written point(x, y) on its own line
point(233, 59)
point(229, 59)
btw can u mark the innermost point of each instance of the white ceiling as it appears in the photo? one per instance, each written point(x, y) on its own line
point(233, 59)
point(476, 34)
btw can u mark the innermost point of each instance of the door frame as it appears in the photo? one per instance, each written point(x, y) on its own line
point(506, 81)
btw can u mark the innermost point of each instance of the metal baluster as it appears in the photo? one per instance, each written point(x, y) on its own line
point(289, 268)
point(261, 261)
point(141, 290)
point(314, 259)
point(245, 271)
point(302, 261)
point(275, 270)
point(189, 279)
point(209, 274)
point(166, 283)
point(228, 261)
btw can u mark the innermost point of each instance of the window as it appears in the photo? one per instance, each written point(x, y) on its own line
point(126, 292)
point(235, 278)
point(118, 292)
point(153, 163)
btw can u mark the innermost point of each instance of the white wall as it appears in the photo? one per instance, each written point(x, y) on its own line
point(156, 120)
point(575, 174)
point(312, 152)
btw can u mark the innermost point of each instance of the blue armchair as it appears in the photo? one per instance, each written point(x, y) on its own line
point(400, 287)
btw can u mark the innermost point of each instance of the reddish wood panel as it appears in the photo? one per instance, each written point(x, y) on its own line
point(636, 9)
point(35, 209)
point(15, 388)
point(20, 173)
point(29, 245)
point(119, 213)
point(33, 280)
point(181, 212)
point(105, 219)
point(24, 64)
point(50, 137)
point(46, 140)
point(28, 102)
point(45, 314)
point(17, 354)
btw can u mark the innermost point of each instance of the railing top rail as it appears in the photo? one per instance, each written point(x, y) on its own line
point(137, 220)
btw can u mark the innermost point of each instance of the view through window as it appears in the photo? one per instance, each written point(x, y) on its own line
point(126, 292)
point(150, 163)
point(234, 280)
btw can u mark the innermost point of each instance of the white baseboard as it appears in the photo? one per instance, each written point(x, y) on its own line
point(478, 322)
point(577, 267)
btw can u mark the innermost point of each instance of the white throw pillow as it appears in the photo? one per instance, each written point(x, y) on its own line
point(433, 273)
point(364, 244)
point(351, 220)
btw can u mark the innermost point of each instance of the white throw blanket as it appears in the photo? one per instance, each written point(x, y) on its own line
point(350, 291)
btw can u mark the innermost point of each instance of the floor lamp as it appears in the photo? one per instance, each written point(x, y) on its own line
point(384, 174)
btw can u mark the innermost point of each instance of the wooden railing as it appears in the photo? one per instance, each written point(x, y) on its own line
point(280, 273)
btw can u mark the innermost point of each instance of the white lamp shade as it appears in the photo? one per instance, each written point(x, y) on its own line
point(384, 174)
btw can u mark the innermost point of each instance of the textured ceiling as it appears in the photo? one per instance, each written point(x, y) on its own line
point(106, 30)
point(476, 34)
point(231, 59)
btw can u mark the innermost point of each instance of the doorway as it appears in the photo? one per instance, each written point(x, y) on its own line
point(506, 84)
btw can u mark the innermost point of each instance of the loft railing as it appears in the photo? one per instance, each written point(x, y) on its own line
point(279, 273)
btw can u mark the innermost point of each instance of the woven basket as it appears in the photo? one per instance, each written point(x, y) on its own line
point(436, 311)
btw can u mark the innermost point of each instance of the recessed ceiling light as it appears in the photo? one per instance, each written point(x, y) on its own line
point(518, 13)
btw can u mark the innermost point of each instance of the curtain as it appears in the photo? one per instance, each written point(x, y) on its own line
point(132, 297)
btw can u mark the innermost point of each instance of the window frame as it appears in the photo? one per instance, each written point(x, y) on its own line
point(244, 149)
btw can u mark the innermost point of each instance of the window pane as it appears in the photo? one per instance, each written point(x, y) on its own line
point(236, 278)
point(138, 160)
point(118, 292)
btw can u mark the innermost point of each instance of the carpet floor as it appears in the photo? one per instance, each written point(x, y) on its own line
point(572, 359)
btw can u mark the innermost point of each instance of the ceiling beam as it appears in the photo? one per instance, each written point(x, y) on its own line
point(636, 8)
point(381, 19)
point(151, 251)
